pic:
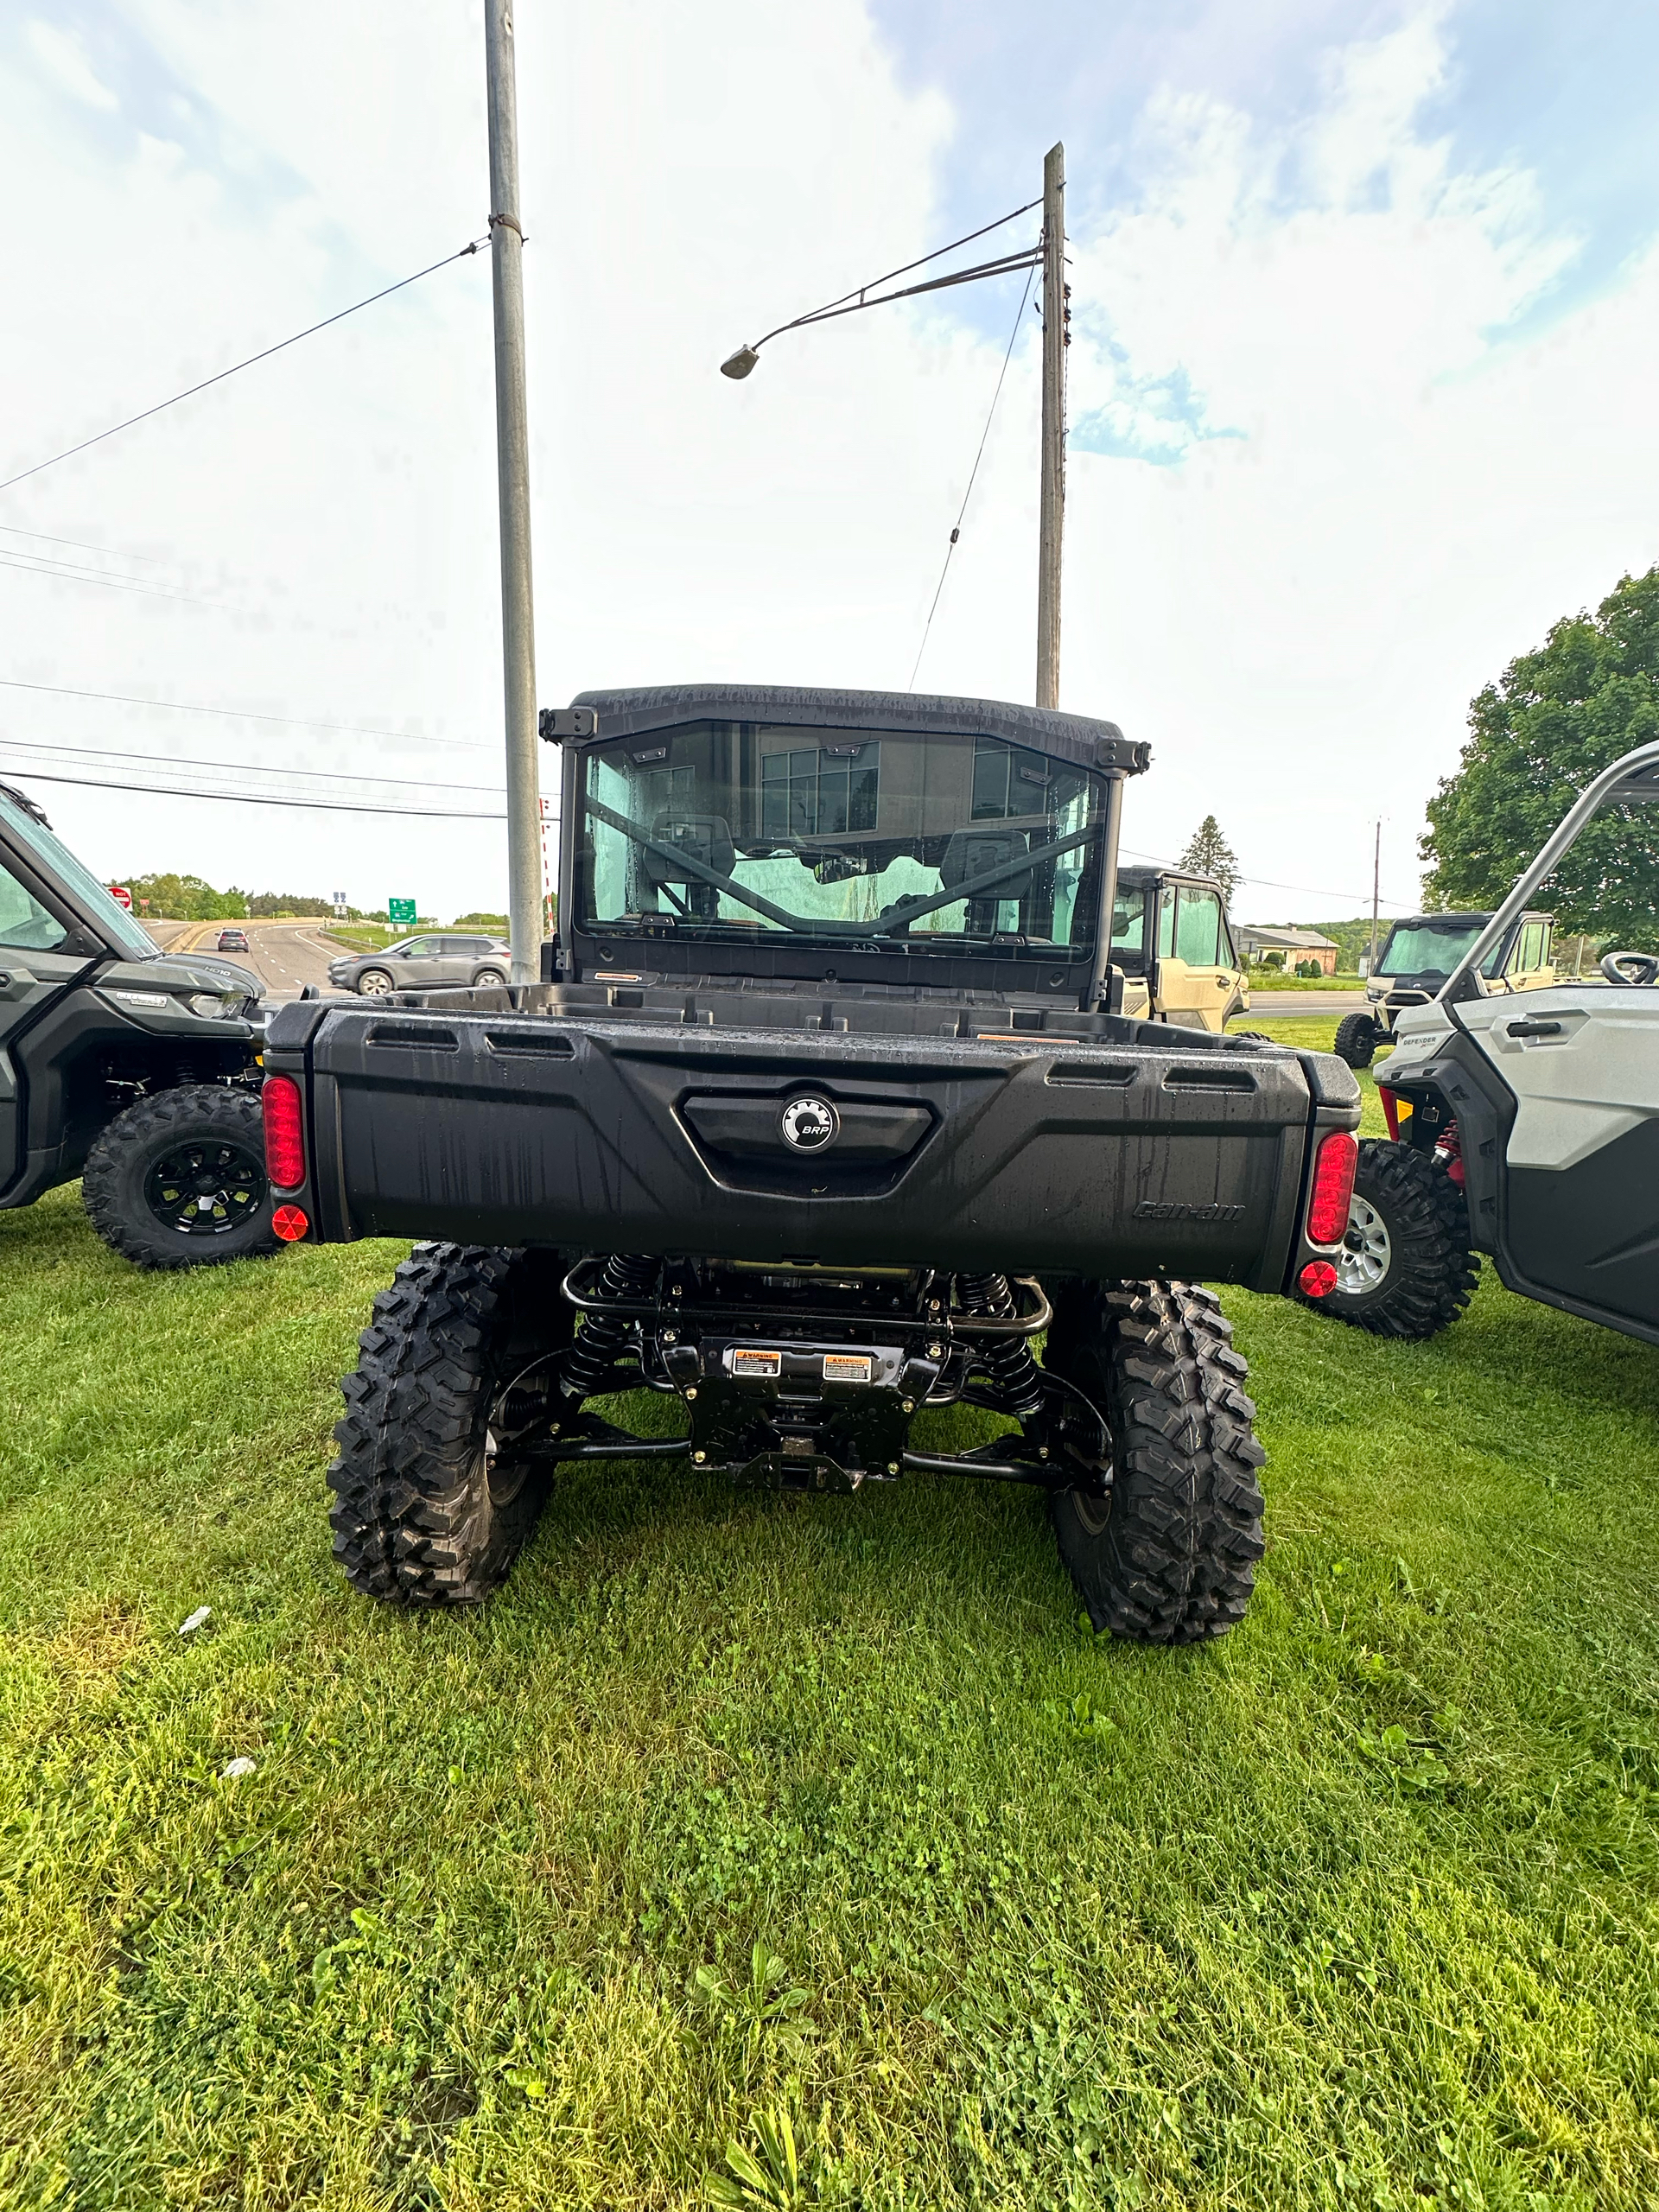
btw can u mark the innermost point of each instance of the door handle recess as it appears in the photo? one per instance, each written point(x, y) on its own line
point(1534, 1028)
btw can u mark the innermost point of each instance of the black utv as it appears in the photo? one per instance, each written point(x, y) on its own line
point(137, 1071)
point(826, 1116)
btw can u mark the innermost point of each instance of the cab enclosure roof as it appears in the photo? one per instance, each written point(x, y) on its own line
point(1143, 878)
point(1462, 917)
point(593, 716)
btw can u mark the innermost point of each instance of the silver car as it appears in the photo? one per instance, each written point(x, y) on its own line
point(421, 963)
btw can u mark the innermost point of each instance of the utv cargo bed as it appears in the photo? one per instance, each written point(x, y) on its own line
point(1135, 1150)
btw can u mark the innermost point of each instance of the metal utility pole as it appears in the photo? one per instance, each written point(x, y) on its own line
point(1376, 888)
point(512, 465)
point(1057, 316)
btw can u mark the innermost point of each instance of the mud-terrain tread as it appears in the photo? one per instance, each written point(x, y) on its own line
point(140, 1130)
point(1176, 1561)
point(1356, 1039)
point(413, 1520)
point(1429, 1228)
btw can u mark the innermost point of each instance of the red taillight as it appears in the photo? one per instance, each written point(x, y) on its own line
point(284, 1132)
point(1318, 1279)
point(1333, 1186)
point(290, 1224)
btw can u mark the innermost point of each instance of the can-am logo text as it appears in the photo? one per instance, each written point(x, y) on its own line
point(1177, 1210)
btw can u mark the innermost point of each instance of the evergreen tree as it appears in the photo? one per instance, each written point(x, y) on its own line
point(1208, 853)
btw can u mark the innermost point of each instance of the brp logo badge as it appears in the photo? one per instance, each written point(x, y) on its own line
point(809, 1124)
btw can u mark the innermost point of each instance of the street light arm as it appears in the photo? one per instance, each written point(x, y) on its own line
point(739, 364)
point(1030, 259)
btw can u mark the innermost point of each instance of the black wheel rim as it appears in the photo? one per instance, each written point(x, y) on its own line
point(1093, 1513)
point(207, 1187)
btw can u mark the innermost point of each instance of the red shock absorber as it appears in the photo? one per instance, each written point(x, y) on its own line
point(1449, 1152)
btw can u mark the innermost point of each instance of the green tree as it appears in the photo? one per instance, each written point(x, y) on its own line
point(186, 899)
point(288, 902)
point(1208, 853)
point(1555, 718)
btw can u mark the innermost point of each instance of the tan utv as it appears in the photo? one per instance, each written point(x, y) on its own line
point(1192, 979)
point(1423, 950)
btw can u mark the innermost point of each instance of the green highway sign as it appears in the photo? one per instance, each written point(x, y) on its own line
point(400, 910)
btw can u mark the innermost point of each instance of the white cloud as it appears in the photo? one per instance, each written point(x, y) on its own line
point(1296, 616)
point(60, 53)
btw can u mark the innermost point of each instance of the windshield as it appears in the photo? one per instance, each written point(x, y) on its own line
point(720, 829)
point(56, 858)
point(1428, 948)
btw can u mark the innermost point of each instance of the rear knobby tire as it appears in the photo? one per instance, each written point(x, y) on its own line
point(423, 1514)
point(1355, 1040)
point(1407, 1269)
point(1169, 1556)
point(212, 1138)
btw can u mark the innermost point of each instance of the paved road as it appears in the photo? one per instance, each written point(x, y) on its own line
point(283, 956)
point(1273, 1005)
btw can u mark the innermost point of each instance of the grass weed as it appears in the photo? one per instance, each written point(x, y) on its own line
point(804, 1852)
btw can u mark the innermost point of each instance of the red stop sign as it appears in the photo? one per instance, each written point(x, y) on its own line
point(121, 895)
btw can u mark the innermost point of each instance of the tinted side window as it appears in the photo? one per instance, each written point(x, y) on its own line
point(1166, 922)
point(1197, 928)
point(24, 921)
point(419, 948)
point(1129, 919)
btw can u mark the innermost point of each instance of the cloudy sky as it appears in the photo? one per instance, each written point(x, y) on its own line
point(1366, 302)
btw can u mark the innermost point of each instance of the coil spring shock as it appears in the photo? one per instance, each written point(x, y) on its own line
point(1007, 1360)
point(601, 1336)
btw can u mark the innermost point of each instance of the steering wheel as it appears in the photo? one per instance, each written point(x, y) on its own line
point(1638, 968)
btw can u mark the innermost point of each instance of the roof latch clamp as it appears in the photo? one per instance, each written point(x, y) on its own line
point(559, 725)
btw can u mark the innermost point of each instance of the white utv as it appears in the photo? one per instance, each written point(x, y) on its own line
point(1418, 959)
point(1525, 1129)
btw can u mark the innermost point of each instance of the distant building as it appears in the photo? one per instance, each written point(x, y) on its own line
point(1254, 943)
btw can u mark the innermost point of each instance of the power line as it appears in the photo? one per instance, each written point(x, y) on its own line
point(1266, 882)
point(114, 553)
point(66, 572)
point(240, 713)
point(241, 798)
point(260, 767)
point(98, 439)
point(972, 474)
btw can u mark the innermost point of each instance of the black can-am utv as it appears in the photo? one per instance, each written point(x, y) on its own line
point(133, 1069)
point(825, 1116)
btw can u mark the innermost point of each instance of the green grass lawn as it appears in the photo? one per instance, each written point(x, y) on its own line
point(1358, 1908)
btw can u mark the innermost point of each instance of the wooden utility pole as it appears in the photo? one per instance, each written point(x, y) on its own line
point(1376, 888)
point(513, 464)
point(1057, 336)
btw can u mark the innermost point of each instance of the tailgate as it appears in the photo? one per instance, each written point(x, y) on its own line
point(1045, 1156)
